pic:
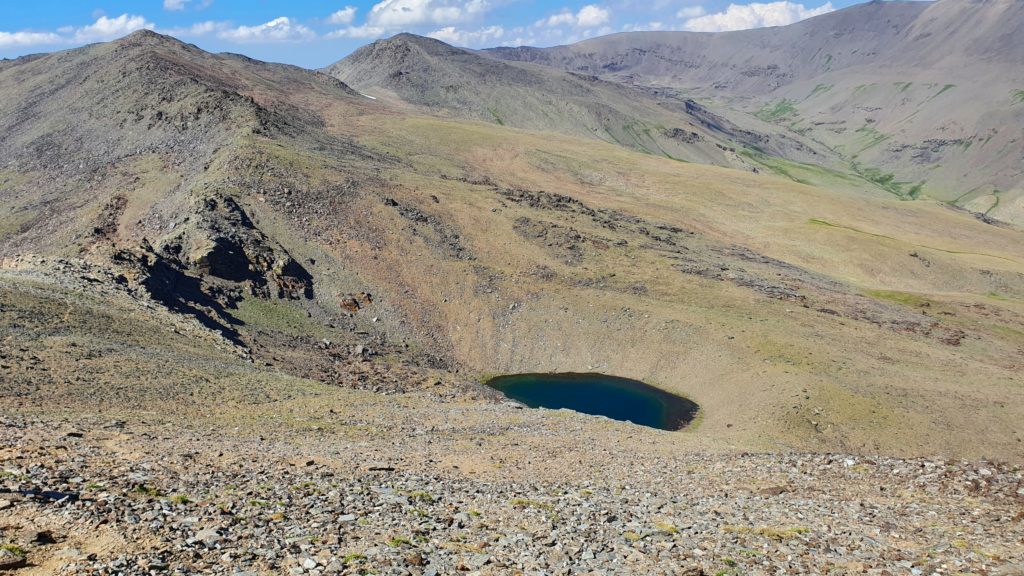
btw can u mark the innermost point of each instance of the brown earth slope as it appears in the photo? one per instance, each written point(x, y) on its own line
point(304, 228)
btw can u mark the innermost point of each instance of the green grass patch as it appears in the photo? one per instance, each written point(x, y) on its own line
point(902, 87)
point(641, 135)
point(497, 119)
point(1017, 97)
point(820, 89)
point(868, 137)
point(916, 190)
point(772, 532)
point(799, 172)
point(666, 527)
point(420, 496)
point(884, 180)
point(801, 130)
point(995, 204)
point(485, 377)
point(863, 88)
point(776, 165)
point(615, 138)
point(350, 558)
point(942, 91)
point(150, 491)
point(905, 298)
point(13, 549)
point(399, 541)
point(277, 315)
point(774, 111)
point(1012, 333)
point(524, 503)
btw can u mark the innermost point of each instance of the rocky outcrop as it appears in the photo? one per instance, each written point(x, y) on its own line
point(226, 245)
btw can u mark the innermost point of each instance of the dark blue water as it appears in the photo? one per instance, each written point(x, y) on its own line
point(601, 395)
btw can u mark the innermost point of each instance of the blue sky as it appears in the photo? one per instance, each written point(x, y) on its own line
point(315, 33)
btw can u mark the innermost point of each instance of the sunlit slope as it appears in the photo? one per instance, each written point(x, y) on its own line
point(263, 201)
point(924, 99)
point(795, 316)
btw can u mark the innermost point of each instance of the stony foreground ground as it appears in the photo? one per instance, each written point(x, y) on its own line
point(116, 498)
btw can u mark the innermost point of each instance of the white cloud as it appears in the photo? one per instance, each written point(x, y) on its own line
point(197, 29)
point(108, 28)
point(398, 13)
point(26, 38)
point(102, 29)
point(563, 19)
point(343, 16)
point(391, 16)
point(690, 12)
point(358, 32)
point(754, 15)
point(589, 16)
point(639, 27)
point(482, 37)
point(281, 29)
point(175, 5)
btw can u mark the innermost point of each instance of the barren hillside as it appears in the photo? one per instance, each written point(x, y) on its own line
point(920, 98)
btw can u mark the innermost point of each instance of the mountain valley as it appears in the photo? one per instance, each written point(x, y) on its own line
point(247, 310)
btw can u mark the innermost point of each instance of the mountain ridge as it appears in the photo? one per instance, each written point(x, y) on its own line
point(438, 78)
point(917, 97)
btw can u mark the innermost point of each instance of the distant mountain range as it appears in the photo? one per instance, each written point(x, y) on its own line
point(913, 98)
point(436, 77)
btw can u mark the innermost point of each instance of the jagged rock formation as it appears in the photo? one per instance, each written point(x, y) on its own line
point(137, 141)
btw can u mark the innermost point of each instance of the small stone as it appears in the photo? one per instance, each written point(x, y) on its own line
point(476, 561)
point(209, 536)
point(41, 537)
